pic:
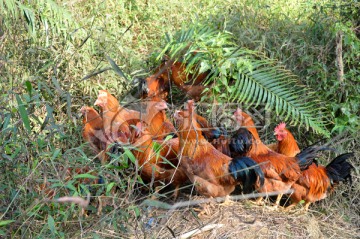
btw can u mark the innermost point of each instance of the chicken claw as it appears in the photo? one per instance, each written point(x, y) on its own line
point(227, 202)
point(259, 201)
point(205, 209)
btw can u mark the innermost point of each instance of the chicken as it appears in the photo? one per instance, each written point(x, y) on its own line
point(286, 144)
point(151, 158)
point(216, 136)
point(93, 131)
point(213, 173)
point(116, 119)
point(159, 127)
point(315, 182)
point(156, 121)
point(157, 156)
point(281, 171)
point(169, 72)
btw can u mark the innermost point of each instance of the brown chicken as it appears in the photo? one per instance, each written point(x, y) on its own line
point(317, 181)
point(286, 143)
point(216, 136)
point(169, 72)
point(159, 127)
point(152, 158)
point(213, 173)
point(93, 131)
point(155, 119)
point(116, 119)
point(281, 171)
point(157, 156)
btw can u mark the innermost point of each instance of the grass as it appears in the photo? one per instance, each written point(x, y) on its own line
point(43, 74)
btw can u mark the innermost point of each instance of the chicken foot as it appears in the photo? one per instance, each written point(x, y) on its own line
point(227, 201)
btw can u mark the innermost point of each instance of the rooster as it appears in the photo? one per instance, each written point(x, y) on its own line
point(286, 144)
point(216, 136)
point(281, 171)
point(213, 173)
point(315, 182)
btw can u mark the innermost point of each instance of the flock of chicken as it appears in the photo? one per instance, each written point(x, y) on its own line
point(194, 151)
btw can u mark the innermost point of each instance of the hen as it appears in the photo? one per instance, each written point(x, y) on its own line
point(116, 119)
point(93, 132)
point(157, 157)
point(156, 121)
point(169, 72)
point(213, 173)
point(93, 128)
point(151, 159)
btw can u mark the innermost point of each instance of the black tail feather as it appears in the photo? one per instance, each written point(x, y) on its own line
point(339, 169)
point(246, 171)
point(307, 156)
point(241, 142)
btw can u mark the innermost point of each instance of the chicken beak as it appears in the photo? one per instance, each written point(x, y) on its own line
point(98, 102)
point(176, 114)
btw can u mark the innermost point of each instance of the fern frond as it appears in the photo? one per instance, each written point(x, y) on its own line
point(249, 78)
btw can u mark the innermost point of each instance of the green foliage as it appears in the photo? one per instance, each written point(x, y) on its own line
point(247, 77)
point(302, 36)
point(46, 15)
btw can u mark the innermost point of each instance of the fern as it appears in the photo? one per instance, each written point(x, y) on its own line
point(247, 76)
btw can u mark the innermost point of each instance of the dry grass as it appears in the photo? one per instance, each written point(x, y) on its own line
point(240, 219)
point(335, 217)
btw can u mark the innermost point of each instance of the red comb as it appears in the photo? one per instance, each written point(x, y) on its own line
point(280, 126)
point(190, 106)
point(238, 111)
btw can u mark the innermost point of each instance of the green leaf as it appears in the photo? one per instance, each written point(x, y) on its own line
point(55, 154)
point(5, 222)
point(51, 224)
point(116, 68)
point(85, 175)
point(109, 187)
point(23, 114)
point(130, 155)
point(70, 186)
point(28, 87)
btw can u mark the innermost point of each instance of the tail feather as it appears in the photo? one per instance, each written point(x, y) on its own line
point(241, 142)
point(246, 171)
point(339, 169)
point(307, 156)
